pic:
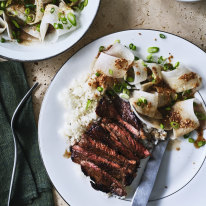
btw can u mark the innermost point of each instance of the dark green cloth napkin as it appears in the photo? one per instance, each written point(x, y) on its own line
point(31, 185)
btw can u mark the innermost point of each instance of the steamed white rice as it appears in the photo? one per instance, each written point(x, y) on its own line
point(75, 100)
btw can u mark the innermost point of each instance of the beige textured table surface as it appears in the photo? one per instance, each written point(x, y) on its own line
point(187, 20)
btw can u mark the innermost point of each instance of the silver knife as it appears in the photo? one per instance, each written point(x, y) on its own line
point(143, 191)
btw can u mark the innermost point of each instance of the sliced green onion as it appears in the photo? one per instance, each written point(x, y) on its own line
point(153, 49)
point(177, 64)
point(162, 36)
point(168, 108)
point(162, 126)
point(186, 135)
point(141, 101)
point(150, 58)
point(64, 20)
point(101, 48)
point(88, 104)
point(38, 27)
point(132, 47)
point(136, 58)
point(117, 41)
point(130, 79)
point(176, 97)
point(3, 40)
point(14, 34)
point(69, 27)
point(200, 143)
point(97, 74)
point(111, 72)
point(42, 10)
point(175, 125)
point(161, 60)
point(200, 116)
point(56, 26)
point(30, 18)
point(118, 88)
point(27, 11)
point(52, 10)
point(191, 140)
point(3, 4)
point(124, 96)
point(30, 6)
point(168, 66)
point(100, 89)
point(143, 64)
point(85, 3)
point(81, 6)
point(72, 18)
point(60, 26)
point(1, 12)
point(126, 91)
point(16, 24)
point(8, 3)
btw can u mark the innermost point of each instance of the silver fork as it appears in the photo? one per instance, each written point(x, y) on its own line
point(16, 112)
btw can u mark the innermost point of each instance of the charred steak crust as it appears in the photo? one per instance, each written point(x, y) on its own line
point(109, 152)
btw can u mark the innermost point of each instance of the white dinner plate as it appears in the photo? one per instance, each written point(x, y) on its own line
point(181, 179)
point(40, 51)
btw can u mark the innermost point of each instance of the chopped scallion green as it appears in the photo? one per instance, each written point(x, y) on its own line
point(177, 64)
point(124, 96)
point(52, 10)
point(130, 79)
point(3, 4)
point(27, 11)
point(168, 108)
point(16, 24)
point(111, 72)
point(162, 36)
point(136, 58)
point(3, 40)
point(168, 66)
point(153, 49)
point(186, 135)
point(72, 18)
point(117, 41)
point(126, 91)
point(175, 125)
point(55, 26)
point(85, 3)
point(38, 27)
point(191, 140)
point(42, 10)
point(100, 89)
point(200, 143)
point(88, 104)
point(101, 48)
point(97, 74)
point(132, 47)
point(60, 26)
point(162, 126)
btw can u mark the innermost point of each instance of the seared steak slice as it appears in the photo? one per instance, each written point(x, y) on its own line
point(102, 180)
point(110, 154)
point(126, 138)
point(120, 173)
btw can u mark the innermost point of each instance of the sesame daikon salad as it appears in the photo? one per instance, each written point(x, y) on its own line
point(40, 20)
point(161, 94)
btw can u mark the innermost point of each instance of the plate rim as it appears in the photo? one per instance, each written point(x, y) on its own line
point(140, 29)
point(73, 44)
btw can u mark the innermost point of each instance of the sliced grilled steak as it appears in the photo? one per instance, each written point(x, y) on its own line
point(110, 154)
point(126, 138)
point(102, 180)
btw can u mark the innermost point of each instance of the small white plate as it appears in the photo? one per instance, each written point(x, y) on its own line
point(181, 179)
point(40, 51)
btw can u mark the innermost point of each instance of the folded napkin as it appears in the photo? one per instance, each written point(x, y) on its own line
point(31, 184)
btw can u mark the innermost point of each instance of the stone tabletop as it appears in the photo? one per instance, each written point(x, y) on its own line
point(187, 20)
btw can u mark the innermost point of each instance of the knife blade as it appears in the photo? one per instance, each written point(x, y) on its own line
point(143, 191)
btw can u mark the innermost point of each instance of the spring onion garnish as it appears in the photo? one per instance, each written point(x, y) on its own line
point(168, 108)
point(69, 27)
point(111, 72)
point(3, 4)
point(191, 140)
point(175, 125)
point(200, 116)
point(150, 58)
point(8, 3)
point(85, 3)
point(42, 10)
point(162, 36)
point(16, 24)
point(153, 49)
point(186, 135)
point(30, 18)
point(72, 18)
point(52, 10)
point(97, 74)
point(118, 88)
point(117, 41)
point(64, 20)
point(27, 11)
point(136, 58)
point(30, 6)
point(1, 12)
point(142, 101)
point(143, 64)
point(88, 104)
point(176, 64)
point(124, 96)
point(100, 89)
point(60, 26)
point(126, 91)
point(101, 48)
point(3, 40)
point(81, 6)
point(161, 60)
point(200, 143)
point(38, 27)
point(56, 26)
point(162, 126)
point(132, 47)
point(168, 66)
point(130, 79)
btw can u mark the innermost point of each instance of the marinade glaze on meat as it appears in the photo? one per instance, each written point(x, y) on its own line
point(109, 152)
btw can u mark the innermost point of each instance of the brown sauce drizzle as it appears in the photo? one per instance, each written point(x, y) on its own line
point(67, 154)
point(199, 137)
